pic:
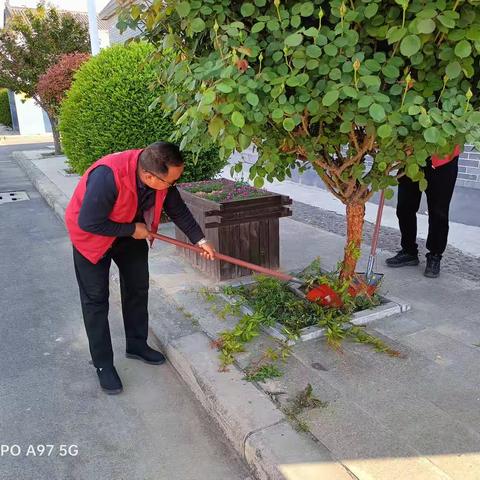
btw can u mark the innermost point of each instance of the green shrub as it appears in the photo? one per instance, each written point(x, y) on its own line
point(5, 115)
point(107, 110)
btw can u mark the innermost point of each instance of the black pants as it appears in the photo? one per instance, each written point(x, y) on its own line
point(131, 257)
point(441, 183)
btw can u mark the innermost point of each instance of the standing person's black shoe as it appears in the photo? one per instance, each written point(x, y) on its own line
point(403, 259)
point(432, 270)
point(109, 380)
point(146, 354)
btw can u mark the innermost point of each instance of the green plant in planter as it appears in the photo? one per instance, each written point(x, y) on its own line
point(323, 85)
point(223, 190)
point(207, 188)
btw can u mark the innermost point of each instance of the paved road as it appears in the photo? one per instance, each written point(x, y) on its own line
point(49, 393)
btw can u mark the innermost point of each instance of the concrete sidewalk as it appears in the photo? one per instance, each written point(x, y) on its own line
point(416, 417)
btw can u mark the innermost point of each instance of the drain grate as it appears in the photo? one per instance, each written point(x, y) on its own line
point(8, 197)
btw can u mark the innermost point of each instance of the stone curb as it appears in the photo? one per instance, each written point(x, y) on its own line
point(257, 429)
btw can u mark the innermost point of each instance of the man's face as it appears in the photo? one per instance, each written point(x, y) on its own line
point(162, 182)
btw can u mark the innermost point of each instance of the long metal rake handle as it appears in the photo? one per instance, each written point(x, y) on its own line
point(226, 258)
point(376, 233)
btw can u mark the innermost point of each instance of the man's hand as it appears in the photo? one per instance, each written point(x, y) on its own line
point(208, 251)
point(141, 232)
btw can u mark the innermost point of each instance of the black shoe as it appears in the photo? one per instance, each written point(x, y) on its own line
point(147, 354)
point(403, 259)
point(432, 270)
point(109, 380)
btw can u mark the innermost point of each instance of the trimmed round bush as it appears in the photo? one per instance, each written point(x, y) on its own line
point(107, 110)
point(5, 115)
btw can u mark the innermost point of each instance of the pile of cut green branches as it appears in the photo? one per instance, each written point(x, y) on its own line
point(273, 302)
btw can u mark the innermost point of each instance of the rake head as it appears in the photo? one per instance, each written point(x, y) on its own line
point(325, 296)
point(365, 284)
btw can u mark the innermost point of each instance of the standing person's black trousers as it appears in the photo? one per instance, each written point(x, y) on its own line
point(131, 257)
point(441, 183)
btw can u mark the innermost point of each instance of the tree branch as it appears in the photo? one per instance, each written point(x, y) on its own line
point(332, 187)
point(361, 192)
point(305, 122)
point(353, 138)
point(350, 187)
point(338, 151)
point(367, 145)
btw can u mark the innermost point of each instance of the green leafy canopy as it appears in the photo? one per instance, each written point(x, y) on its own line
point(322, 84)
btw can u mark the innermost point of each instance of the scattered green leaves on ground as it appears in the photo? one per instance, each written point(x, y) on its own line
point(272, 301)
point(303, 400)
point(264, 372)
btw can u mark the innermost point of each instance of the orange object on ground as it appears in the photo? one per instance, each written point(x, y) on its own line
point(325, 296)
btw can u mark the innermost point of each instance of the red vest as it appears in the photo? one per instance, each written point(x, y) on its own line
point(439, 161)
point(124, 167)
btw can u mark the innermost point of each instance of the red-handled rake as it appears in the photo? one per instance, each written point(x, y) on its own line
point(322, 294)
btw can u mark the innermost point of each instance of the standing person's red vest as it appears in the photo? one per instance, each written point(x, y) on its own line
point(439, 161)
point(124, 167)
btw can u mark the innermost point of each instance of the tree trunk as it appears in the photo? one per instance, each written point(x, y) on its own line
point(355, 219)
point(56, 135)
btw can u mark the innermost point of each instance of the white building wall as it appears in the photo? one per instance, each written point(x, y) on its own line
point(31, 118)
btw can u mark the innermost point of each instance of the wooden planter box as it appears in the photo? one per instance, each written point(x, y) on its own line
point(246, 229)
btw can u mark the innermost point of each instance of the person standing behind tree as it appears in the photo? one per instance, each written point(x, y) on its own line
point(441, 175)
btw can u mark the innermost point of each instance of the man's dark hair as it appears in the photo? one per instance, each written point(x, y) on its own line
point(159, 156)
